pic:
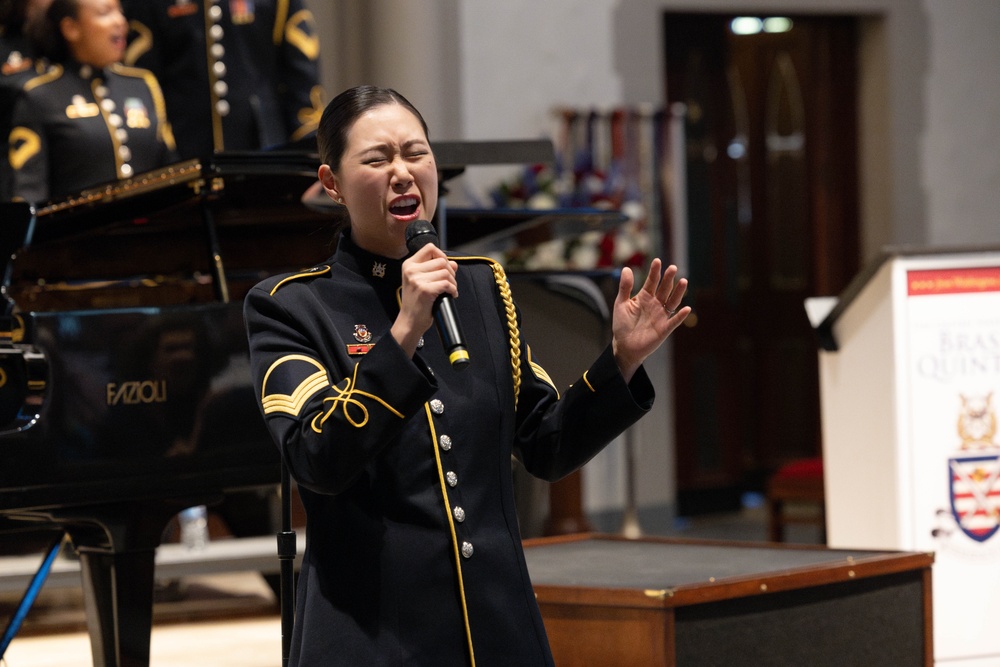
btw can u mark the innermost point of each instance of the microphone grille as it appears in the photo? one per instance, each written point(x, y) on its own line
point(418, 234)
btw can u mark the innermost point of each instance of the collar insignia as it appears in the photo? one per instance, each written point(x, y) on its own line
point(361, 333)
point(378, 270)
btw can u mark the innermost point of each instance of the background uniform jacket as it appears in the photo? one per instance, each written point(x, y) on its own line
point(236, 75)
point(17, 67)
point(76, 126)
point(413, 552)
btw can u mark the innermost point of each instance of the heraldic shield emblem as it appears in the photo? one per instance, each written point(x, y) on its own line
point(974, 475)
point(975, 495)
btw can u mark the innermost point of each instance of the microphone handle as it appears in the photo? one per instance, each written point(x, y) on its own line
point(450, 332)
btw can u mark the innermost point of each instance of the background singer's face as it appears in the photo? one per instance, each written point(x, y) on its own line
point(387, 178)
point(97, 35)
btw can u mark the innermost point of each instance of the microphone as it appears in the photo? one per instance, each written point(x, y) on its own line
point(418, 234)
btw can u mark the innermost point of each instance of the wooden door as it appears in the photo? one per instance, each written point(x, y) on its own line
point(772, 219)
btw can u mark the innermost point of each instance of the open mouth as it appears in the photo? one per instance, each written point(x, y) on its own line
point(404, 206)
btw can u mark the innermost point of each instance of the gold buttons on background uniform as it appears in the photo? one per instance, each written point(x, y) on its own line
point(114, 119)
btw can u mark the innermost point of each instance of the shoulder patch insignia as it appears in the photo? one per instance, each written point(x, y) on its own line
point(290, 382)
point(24, 145)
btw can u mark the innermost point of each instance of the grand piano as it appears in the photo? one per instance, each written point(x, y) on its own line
point(125, 390)
point(124, 379)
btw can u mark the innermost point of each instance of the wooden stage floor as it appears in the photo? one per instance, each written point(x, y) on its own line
point(231, 618)
point(217, 620)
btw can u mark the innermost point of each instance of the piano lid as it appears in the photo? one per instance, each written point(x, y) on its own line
point(192, 232)
point(207, 230)
point(273, 176)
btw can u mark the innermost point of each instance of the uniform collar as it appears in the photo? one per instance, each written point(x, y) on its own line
point(376, 269)
point(85, 72)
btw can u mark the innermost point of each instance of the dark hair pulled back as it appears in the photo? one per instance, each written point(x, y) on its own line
point(46, 34)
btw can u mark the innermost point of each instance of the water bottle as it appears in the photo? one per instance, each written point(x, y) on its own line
point(194, 527)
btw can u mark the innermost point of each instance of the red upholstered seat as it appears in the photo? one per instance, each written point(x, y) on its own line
point(801, 469)
point(798, 481)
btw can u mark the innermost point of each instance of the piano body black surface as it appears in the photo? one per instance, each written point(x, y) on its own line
point(125, 390)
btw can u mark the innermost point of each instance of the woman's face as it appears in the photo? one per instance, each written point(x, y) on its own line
point(387, 178)
point(96, 37)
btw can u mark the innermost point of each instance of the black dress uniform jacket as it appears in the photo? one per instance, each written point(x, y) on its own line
point(237, 74)
point(413, 552)
point(76, 126)
point(17, 67)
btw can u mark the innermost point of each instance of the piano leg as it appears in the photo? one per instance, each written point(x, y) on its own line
point(118, 595)
point(117, 549)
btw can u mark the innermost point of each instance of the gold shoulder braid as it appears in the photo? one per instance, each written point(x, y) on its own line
point(515, 335)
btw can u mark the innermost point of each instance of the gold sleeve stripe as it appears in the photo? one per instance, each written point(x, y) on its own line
point(587, 382)
point(454, 535)
point(541, 373)
point(282, 402)
point(543, 376)
point(293, 404)
point(304, 274)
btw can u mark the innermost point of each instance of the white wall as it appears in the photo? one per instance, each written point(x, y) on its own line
point(520, 60)
point(493, 70)
point(929, 78)
point(522, 57)
point(961, 142)
point(930, 158)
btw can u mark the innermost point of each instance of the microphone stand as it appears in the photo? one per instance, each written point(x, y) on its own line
point(286, 559)
point(630, 519)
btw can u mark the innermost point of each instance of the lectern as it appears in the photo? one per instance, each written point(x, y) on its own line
point(910, 384)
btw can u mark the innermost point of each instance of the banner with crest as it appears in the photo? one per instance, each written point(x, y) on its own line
point(952, 383)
